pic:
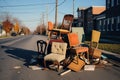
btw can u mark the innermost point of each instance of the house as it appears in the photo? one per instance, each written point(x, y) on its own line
point(75, 22)
point(81, 16)
point(113, 16)
point(2, 32)
point(108, 22)
point(86, 17)
point(99, 22)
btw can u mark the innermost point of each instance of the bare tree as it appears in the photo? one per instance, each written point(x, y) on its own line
point(25, 30)
point(40, 29)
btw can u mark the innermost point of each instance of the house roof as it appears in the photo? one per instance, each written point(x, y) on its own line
point(95, 9)
point(81, 8)
point(98, 9)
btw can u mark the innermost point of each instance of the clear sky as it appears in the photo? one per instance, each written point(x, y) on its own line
point(30, 12)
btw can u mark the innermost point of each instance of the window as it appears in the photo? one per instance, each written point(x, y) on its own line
point(108, 21)
point(89, 11)
point(112, 3)
point(117, 19)
point(108, 4)
point(112, 20)
point(100, 22)
point(79, 13)
point(103, 22)
point(117, 2)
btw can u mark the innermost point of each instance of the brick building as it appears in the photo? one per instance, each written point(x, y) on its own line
point(103, 18)
point(112, 16)
point(86, 17)
point(108, 22)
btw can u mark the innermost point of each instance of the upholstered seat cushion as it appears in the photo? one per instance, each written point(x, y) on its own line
point(58, 52)
point(54, 57)
point(59, 48)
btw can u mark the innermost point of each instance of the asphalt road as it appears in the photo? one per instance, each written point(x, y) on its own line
point(18, 52)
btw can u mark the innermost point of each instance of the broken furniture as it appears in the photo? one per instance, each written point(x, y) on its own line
point(50, 44)
point(65, 28)
point(93, 50)
point(80, 33)
point(41, 47)
point(75, 47)
point(76, 64)
point(58, 53)
point(50, 27)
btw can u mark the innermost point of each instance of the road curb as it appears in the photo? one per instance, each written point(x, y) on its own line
point(112, 56)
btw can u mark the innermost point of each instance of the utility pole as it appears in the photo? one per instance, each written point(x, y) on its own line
point(46, 19)
point(56, 13)
point(73, 6)
point(43, 18)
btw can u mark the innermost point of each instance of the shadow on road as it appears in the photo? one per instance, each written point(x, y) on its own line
point(20, 54)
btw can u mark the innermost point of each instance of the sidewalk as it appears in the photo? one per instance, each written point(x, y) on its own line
point(109, 41)
point(115, 58)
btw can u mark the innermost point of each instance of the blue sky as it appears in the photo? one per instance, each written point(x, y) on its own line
point(30, 12)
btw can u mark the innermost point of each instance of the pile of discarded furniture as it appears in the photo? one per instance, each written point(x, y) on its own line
point(64, 49)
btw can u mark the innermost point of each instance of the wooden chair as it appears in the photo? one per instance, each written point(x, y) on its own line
point(65, 27)
point(93, 50)
point(75, 47)
point(41, 47)
point(50, 28)
point(80, 33)
point(58, 53)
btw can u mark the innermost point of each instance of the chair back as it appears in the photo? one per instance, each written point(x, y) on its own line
point(67, 22)
point(95, 38)
point(59, 48)
point(41, 46)
point(80, 32)
point(73, 39)
point(93, 50)
point(50, 25)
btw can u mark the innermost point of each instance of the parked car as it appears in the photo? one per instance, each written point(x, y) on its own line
point(13, 34)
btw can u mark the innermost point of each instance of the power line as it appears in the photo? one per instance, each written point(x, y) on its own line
point(61, 3)
point(61, 12)
point(19, 12)
point(27, 5)
point(30, 20)
point(51, 10)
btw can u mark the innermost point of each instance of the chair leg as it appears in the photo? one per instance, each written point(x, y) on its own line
point(45, 64)
point(58, 67)
point(88, 57)
point(49, 35)
point(45, 67)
